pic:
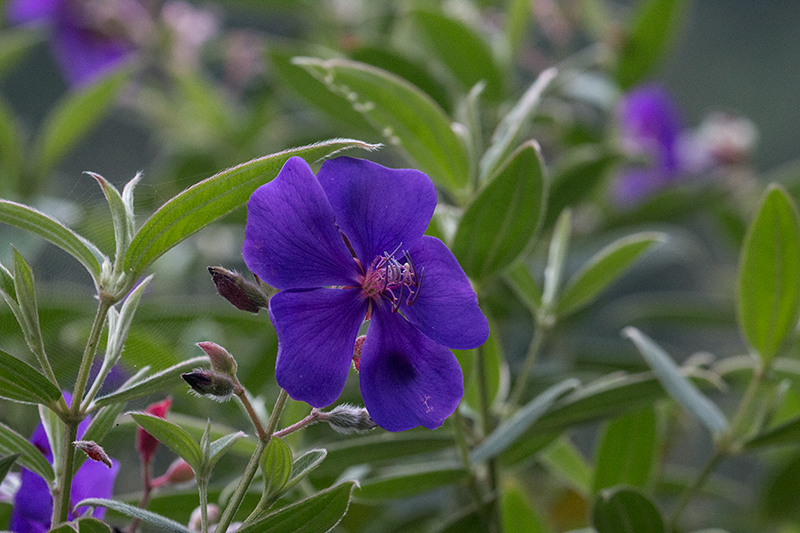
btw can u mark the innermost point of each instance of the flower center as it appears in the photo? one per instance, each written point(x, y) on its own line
point(387, 278)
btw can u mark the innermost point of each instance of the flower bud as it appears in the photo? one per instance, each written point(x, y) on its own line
point(178, 472)
point(207, 383)
point(349, 419)
point(221, 361)
point(93, 451)
point(196, 517)
point(359, 346)
point(146, 444)
point(241, 293)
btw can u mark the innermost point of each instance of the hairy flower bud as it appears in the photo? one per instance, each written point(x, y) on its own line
point(207, 383)
point(241, 293)
point(221, 361)
point(359, 346)
point(146, 444)
point(195, 519)
point(348, 419)
point(93, 451)
point(178, 472)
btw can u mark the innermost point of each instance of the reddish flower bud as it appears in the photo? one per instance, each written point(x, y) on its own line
point(221, 361)
point(357, 351)
point(146, 444)
point(218, 387)
point(93, 451)
point(178, 472)
point(241, 293)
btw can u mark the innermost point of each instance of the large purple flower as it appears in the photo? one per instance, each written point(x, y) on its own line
point(33, 504)
point(347, 245)
point(89, 38)
point(650, 128)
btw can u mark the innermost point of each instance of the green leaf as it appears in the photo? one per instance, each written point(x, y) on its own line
point(73, 116)
point(626, 452)
point(625, 510)
point(30, 457)
point(276, 467)
point(510, 129)
point(12, 149)
point(320, 512)
point(646, 39)
point(29, 219)
point(787, 433)
point(6, 463)
point(409, 481)
point(64, 528)
point(23, 383)
point(164, 524)
point(462, 50)
point(490, 239)
point(157, 382)
point(206, 201)
point(304, 465)
point(676, 384)
point(401, 112)
point(556, 260)
point(175, 437)
point(222, 445)
point(92, 525)
point(769, 274)
point(121, 214)
point(526, 288)
point(14, 43)
point(603, 269)
point(26, 298)
point(507, 432)
point(516, 511)
point(563, 459)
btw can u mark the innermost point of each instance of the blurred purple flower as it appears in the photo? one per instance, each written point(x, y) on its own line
point(89, 38)
point(650, 129)
point(348, 245)
point(33, 504)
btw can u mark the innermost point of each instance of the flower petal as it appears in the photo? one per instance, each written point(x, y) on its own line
point(33, 504)
point(407, 380)
point(26, 11)
point(377, 208)
point(84, 55)
point(317, 331)
point(291, 241)
point(446, 309)
point(93, 480)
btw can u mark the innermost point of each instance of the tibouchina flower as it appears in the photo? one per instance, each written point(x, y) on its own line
point(89, 38)
point(347, 245)
point(650, 128)
point(33, 504)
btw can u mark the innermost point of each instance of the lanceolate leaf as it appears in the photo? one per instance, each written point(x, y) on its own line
point(489, 238)
point(26, 298)
point(626, 452)
point(625, 510)
point(320, 512)
point(173, 436)
point(23, 383)
point(405, 115)
point(410, 481)
point(30, 457)
point(603, 269)
point(787, 433)
point(163, 524)
point(304, 465)
point(276, 467)
point(676, 384)
point(769, 274)
point(28, 218)
point(206, 201)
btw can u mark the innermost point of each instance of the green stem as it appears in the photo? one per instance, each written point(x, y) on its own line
point(61, 495)
point(463, 449)
point(252, 466)
point(535, 347)
point(687, 494)
point(89, 353)
point(202, 487)
point(493, 519)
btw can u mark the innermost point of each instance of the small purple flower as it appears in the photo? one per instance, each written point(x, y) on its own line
point(89, 37)
point(650, 128)
point(348, 245)
point(33, 504)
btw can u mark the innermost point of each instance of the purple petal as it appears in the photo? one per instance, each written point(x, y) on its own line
point(84, 56)
point(446, 309)
point(27, 11)
point(93, 480)
point(650, 124)
point(635, 184)
point(291, 241)
point(33, 504)
point(317, 331)
point(407, 380)
point(377, 208)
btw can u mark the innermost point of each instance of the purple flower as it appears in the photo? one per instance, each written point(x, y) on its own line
point(89, 38)
point(348, 245)
point(650, 128)
point(33, 504)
